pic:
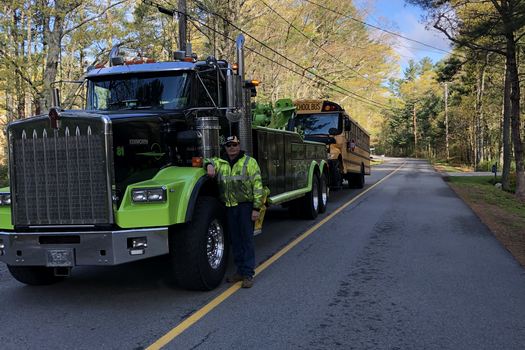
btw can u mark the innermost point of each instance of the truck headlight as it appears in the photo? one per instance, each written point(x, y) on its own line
point(5, 198)
point(149, 195)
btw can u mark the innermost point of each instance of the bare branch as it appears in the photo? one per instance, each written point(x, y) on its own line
point(89, 19)
point(20, 72)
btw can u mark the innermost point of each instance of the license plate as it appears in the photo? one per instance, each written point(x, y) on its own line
point(60, 257)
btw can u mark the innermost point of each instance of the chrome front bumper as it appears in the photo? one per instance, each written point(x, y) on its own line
point(82, 248)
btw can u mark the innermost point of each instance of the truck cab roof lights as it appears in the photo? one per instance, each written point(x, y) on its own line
point(251, 83)
point(139, 60)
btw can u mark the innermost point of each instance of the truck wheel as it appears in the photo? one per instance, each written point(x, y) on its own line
point(357, 180)
point(311, 200)
point(199, 249)
point(336, 178)
point(34, 275)
point(323, 193)
point(360, 179)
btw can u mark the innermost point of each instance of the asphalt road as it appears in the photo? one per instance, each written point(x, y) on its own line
point(405, 266)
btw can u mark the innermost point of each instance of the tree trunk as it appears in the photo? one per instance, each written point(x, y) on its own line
point(54, 38)
point(507, 147)
point(480, 87)
point(515, 116)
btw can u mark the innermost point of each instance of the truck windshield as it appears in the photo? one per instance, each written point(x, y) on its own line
point(317, 124)
point(139, 92)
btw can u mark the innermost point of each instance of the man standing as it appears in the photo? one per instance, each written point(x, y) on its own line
point(241, 190)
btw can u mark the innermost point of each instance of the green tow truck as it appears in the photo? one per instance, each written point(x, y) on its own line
point(122, 180)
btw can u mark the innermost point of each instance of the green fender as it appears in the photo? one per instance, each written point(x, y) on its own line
point(181, 184)
point(322, 165)
point(5, 213)
point(288, 196)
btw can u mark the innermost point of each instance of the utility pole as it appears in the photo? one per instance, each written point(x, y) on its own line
point(415, 129)
point(446, 121)
point(182, 25)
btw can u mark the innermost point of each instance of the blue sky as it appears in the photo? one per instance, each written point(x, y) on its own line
point(405, 19)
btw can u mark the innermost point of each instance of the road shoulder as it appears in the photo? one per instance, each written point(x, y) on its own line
point(507, 226)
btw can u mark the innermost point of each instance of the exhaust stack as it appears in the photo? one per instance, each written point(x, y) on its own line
point(245, 123)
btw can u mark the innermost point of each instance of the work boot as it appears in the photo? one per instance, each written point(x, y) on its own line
point(234, 278)
point(247, 282)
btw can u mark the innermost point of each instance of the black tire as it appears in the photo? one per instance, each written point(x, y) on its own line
point(357, 180)
point(199, 249)
point(336, 178)
point(360, 179)
point(34, 275)
point(324, 192)
point(311, 200)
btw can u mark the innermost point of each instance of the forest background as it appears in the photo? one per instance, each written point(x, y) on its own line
point(464, 109)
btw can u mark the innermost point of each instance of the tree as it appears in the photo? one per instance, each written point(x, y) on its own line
point(489, 26)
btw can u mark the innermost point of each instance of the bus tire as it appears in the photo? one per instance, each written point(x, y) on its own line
point(199, 249)
point(324, 192)
point(361, 179)
point(311, 200)
point(336, 178)
point(357, 180)
point(34, 275)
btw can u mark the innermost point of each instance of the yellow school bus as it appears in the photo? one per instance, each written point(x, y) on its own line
point(347, 143)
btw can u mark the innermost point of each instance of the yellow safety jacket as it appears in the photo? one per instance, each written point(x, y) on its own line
point(238, 183)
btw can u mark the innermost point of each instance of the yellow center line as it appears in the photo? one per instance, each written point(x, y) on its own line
point(187, 323)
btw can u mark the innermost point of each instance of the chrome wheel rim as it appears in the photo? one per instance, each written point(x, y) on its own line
point(324, 192)
point(315, 196)
point(215, 244)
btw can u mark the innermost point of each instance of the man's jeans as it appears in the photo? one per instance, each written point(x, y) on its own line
point(240, 226)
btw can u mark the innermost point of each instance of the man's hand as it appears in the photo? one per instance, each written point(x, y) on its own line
point(210, 169)
point(255, 215)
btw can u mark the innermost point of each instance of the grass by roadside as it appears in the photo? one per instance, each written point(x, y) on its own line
point(445, 167)
point(499, 210)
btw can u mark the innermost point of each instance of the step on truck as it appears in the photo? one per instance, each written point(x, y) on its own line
point(348, 144)
point(122, 179)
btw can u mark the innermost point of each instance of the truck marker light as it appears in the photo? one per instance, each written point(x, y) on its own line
point(2, 247)
point(196, 162)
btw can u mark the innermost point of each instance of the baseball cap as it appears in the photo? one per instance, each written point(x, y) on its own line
point(231, 139)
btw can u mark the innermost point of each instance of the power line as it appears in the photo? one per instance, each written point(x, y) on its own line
point(378, 28)
point(285, 57)
point(313, 42)
point(328, 85)
point(327, 82)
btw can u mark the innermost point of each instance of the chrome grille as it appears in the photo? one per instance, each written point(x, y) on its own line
point(59, 176)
